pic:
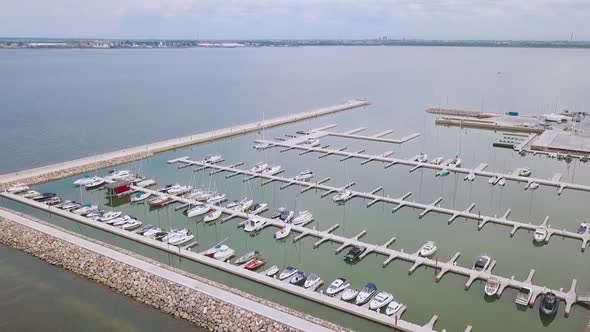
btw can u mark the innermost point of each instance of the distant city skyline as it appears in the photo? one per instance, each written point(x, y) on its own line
point(298, 19)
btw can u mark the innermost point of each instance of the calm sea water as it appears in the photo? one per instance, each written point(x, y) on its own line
point(61, 105)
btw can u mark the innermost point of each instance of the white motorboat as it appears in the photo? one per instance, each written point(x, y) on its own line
point(437, 160)
point(107, 216)
point(283, 215)
point(470, 177)
point(492, 286)
point(272, 271)
point(303, 218)
point(393, 308)
point(482, 263)
point(197, 210)
point(173, 233)
point(224, 253)
point(342, 196)
point(18, 188)
point(245, 258)
point(236, 205)
point(84, 209)
point(533, 185)
point(131, 225)
point(257, 208)
point(245, 206)
point(456, 162)
point(493, 180)
point(213, 214)
point(288, 272)
point(213, 159)
point(31, 194)
point(67, 206)
point(298, 279)
point(312, 280)
point(583, 228)
point(337, 286)
point(366, 294)
point(502, 182)
point(349, 294)
point(120, 221)
point(160, 201)
point(524, 296)
point(540, 234)
point(216, 199)
point(312, 142)
point(304, 176)
point(380, 300)
point(53, 201)
point(422, 158)
point(140, 196)
point(97, 182)
point(95, 215)
point(275, 169)
point(181, 238)
point(178, 189)
point(428, 249)
point(85, 180)
point(525, 172)
point(283, 232)
point(262, 145)
point(115, 175)
point(152, 232)
point(259, 167)
point(146, 183)
point(254, 224)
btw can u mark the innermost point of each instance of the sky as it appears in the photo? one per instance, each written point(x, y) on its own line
point(297, 19)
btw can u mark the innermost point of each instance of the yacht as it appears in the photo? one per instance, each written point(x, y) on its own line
point(85, 180)
point(337, 286)
point(393, 308)
point(549, 304)
point(255, 264)
point(298, 278)
point(353, 254)
point(272, 271)
point(31, 194)
point(131, 225)
point(380, 300)
point(200, 195)
point(216, 199)
point(213, 214)
point(44, 196)
point(151, 232)
point(257, 208)
point(428, 249)
point(366, 294)
point(144, 229)
point(259, 167)
point(181, 239)
point(540, 234)
point(236, 205)
point(312, 280)
point(524, 296)
point(492, 286)
point(456, 162)
point(254, 224)
point(283, 232)
point(303, 218)
point(349, 294)
point(179, 190)
point(18, 188)
point(213, 159)
point(197, 210)
point(288, 272)
point(583, 228)
point(272, 170)
point(482, 263)
point(304, 176)
point(109, 216)
point(245, 258)
point(160, 201)
point(140, 196)
point(118, 175)
point(224, 253)
point(84, 209)
point(422, 158)
point(146, 183)
point(437, 161)
point(97, 182)
point(95, 215)
point(120, 221)
point(342, 196)
point(525, 172)
point(312, 142)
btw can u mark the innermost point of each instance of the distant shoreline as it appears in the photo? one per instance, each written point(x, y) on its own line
point(56, 43)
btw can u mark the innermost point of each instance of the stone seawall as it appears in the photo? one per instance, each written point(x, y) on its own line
point(87, 168)
point(171, 298)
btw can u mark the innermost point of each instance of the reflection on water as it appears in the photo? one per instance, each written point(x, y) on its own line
point(36, 296)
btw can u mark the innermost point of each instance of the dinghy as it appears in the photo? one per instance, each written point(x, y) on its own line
point(255, 264)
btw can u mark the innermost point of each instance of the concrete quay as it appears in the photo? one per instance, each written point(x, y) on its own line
point(89, 164)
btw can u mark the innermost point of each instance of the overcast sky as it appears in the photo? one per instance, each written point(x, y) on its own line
point(241, 19)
